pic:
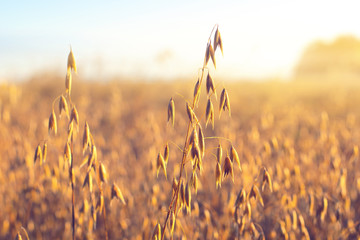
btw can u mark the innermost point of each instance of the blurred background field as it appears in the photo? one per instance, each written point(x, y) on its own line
point(314, 124)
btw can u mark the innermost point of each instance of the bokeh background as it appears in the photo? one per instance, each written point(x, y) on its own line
point(291, 69)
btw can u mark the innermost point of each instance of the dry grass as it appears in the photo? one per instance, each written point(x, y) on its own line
point(287, 160)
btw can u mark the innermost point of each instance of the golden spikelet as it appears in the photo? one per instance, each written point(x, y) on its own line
point(86, 137)
point(68, 81)
point(156, 232)
point(44, 152)
point(171, 111)
point(224, 102)
point(166, 153)
point(172, 222)
point(38, 154)
point(247, 211)
point(216, 39)
point(160, 164)
point(209, 114)
point(197, 92)
point(210, 85)
point(88, 181)
point(207, 54)
point(74, 116)
point(219, 42)
point(201, 142)
point(323, 209)
point(103, 173)
point(63, 106)
point(241, 198)
point(188, 198)
point(266, 179)
point(18, 236)
point(174, 185)
point(255, 193)
point(228, 168)
point(116, 192)
point(190, 112)
point(52, 122)
point(100, 204)
point(218, 175)
point(311, 204)
point(212, 55)
point(71, 64)
point(234, 156)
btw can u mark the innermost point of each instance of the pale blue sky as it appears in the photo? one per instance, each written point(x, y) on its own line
point(165, 39)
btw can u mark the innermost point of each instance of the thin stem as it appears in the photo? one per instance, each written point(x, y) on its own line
point(223, 138)
point(72, 189)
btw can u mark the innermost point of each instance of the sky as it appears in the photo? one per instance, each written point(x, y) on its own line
point(166, 39)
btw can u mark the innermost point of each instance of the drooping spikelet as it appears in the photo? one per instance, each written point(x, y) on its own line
point(224, 102)
point(171, 111)
point(172, 222)
point(267, 179)
point(67, 153)
point(194, 181)
point(44, 152)
point(228, 168)
point(160, 164)
point(71, 64)
point(52, 122)
point(86, 137)
point(190, 112)
point(247, 211)
point(188, 198)
point(102, 172)
point(255, 193)
point(116, 192)
point(197, 92)
point(201, 142)
point(241, 198)
point(63, 106)
point(156, 232)
point(210, 85)
point(38, 154)
point(74, 116)
point(166, 153)
point(209, 114)
point(18, 236)
point(234, 156)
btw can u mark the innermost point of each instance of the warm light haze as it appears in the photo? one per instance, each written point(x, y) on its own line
point(160, 39)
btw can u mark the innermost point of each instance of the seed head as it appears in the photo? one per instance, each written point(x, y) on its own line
point(224, 102)
point(63, 106)
point(160, 164)
point(267, 179)
point(207, 54)
point(190, 112)
point(156, 232)
point(71, 62)
point(86, 137)
point(116, 192)
point(197, 92)
point(172, 222)
point(103, 174)
point(247, 210)
point(188, 198)
point(254, 192)
point(52, 122)
point(166, 153)
point(210, 85)
point(74, 116)
point(44, 152)
point(38, 154)
point(18, 236)
point(201, 142)
point(67, 153)
point(234, 156)
point(228, 168)
point(171, 111)
point(212, 55)
point(241, 198)
point(194, 181)
point(209, 113)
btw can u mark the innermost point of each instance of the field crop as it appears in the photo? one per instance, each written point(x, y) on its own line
point(287, 168)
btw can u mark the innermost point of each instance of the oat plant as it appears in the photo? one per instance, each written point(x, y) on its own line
point(194, 145)
point(95, 168)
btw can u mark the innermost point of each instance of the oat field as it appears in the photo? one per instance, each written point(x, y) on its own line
point(190, 159)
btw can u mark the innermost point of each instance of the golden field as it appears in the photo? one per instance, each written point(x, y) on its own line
point(306, 134)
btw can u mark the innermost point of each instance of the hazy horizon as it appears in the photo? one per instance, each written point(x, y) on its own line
point(166, 40)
